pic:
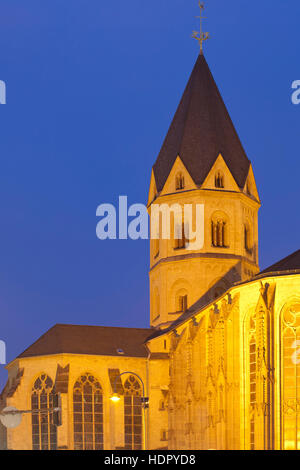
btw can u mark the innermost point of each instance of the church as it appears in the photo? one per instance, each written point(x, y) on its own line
point(218, 367)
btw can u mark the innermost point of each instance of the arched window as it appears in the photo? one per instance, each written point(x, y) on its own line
point(180, 238)
point(133, 414)
point(181, 300)
point(252, 389)
point(290, 376)
point(250, 332)
point(183, 303)
point(88, 413)
point(247, 238)
point(219, 180)
point(44, 435)
point(179, 181)
point(219, 232)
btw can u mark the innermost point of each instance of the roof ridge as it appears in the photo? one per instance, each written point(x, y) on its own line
point(281, 262)
point(98, 326)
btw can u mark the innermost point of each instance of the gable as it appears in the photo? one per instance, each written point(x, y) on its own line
point(220, 168)
point(250, 187)
point(152, 189)
point(177, 170)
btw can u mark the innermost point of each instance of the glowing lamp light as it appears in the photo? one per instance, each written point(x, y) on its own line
point(115, 398)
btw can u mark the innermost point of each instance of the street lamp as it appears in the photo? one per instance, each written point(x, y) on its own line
point(11, 417)
point(144, 400)
point(115, 398)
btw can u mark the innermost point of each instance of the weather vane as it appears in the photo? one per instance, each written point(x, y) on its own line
point(201, 36)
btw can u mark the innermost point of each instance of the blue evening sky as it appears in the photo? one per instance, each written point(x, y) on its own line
point(91, 90)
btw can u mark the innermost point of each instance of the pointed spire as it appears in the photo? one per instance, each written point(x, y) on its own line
point(201, 129)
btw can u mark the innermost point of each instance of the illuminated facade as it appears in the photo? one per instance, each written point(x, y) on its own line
point(221, 361)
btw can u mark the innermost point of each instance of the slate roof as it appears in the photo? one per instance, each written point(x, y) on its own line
point(290, 263)
point(90, 340)
point(200, 131)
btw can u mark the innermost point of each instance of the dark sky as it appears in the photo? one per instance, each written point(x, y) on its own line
point(91, 89)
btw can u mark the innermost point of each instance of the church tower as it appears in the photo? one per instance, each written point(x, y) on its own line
point(202, 162)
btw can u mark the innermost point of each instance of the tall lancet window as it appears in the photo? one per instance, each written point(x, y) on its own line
point(247, 238)
point(133, 414)
point(179, 182)
point(180, 238)
point(219, 180)
point(250, 377)
point(88, 413)
point(219, 232)
point(44, 436)
point(252, 386)
point(290, 379)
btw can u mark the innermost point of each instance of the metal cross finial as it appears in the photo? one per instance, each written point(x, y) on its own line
point(201, 36)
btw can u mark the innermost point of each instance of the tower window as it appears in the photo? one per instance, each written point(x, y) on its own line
point(180, 239)
point(247, 239)
point(179, 182)
point(219, 180)
point(183, 303)
point(219, 233)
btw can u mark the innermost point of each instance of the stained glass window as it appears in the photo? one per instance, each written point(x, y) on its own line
point(44, 434)
point(133, 414)
point(290, 323)
point(88, 413)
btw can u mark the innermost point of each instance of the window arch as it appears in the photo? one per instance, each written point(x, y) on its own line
point(290, 376)
point(88, 413)
point(133, 414)
point(219, 231)
point(179, 181)
point(44, 433)
point(219, 180)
